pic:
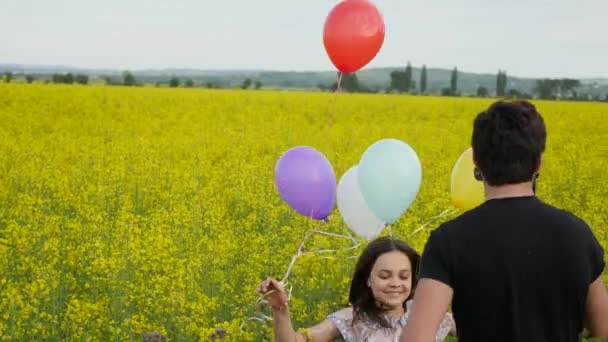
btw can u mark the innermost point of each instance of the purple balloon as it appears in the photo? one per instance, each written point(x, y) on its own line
point(307, 182)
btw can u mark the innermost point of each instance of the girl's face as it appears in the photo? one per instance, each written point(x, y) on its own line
point(391, 280)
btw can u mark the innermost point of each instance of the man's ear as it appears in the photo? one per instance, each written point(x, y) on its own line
point(477, 174)
point(476, 170)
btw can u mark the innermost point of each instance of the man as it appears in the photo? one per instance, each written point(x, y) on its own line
point(514, 268)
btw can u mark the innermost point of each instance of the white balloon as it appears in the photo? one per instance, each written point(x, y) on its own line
point(353, 208)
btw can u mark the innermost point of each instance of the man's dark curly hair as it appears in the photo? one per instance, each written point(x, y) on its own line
point(508, 141)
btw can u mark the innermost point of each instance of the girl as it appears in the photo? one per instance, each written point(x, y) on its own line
point(380, 296)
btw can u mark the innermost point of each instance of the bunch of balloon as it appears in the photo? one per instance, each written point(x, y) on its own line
point(352, 36)
point(379, 190)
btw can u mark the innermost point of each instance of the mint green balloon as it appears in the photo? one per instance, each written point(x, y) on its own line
point(390, 174)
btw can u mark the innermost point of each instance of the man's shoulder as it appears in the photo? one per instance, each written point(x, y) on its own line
point(463, 221)
point(559, 217)
point(483, 214)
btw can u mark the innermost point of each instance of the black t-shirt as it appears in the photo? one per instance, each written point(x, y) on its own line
point(520, 270)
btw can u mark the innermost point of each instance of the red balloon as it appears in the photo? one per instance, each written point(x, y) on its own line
point(353, 34)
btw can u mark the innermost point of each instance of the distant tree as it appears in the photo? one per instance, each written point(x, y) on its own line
point(482, 91)
point(454, 82)
point(29, 78)
point(246, 83)
point(423, 80)
point(547, 88)
point(189, 83)
point(57, 78)
point(567, 86)
point(514, 93)
point(258, 84)
point(68, 78)
point(501, 83)
point(7, 77)
point(525, 96)
point(401, 80)
point(446, 92)
point(65, 78)
point(408, 78)
point(111, 81)
point(82, 79)
point(128, 79)
point(350, 83)
point(397, 81)
point(210, 85)
point(174, 82)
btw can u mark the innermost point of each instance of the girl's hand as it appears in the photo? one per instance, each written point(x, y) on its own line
point(274, 293)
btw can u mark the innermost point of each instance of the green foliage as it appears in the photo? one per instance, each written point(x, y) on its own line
point(454, 82)
point(128, 79)
point(423, 80)
point(501, 83)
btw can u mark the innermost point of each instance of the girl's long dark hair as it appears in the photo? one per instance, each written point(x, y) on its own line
point(361, 296)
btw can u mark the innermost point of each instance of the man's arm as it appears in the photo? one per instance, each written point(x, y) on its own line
point(434, 290)
point(597, 309)
point(431, 302)
point(596, 320)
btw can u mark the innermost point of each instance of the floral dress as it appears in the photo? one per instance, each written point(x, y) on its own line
point(367, 331)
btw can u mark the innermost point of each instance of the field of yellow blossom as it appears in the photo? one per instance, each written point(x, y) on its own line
point(129, 210)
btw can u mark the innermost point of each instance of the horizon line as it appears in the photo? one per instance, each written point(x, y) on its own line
point(262, 70)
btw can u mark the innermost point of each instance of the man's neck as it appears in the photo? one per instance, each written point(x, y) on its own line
point(508, 191)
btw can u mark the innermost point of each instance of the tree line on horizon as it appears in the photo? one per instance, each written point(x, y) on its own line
point(401, 82)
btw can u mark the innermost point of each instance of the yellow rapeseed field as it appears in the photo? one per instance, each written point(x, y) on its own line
point(127, 210)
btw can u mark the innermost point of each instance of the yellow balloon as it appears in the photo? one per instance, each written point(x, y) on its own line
point(467, 192)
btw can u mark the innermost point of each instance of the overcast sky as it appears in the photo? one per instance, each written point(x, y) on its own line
point(536, 38)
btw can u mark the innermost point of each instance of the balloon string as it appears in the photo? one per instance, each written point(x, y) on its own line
point(260, 317)
point(300, 252)
point(445, 213)
point(335, 235)
point(296, 256)
point(333, 108)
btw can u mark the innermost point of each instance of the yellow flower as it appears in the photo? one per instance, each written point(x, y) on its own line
point(130, 210)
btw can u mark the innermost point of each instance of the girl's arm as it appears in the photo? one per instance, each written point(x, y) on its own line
point(275, 295)
point(283, 331)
